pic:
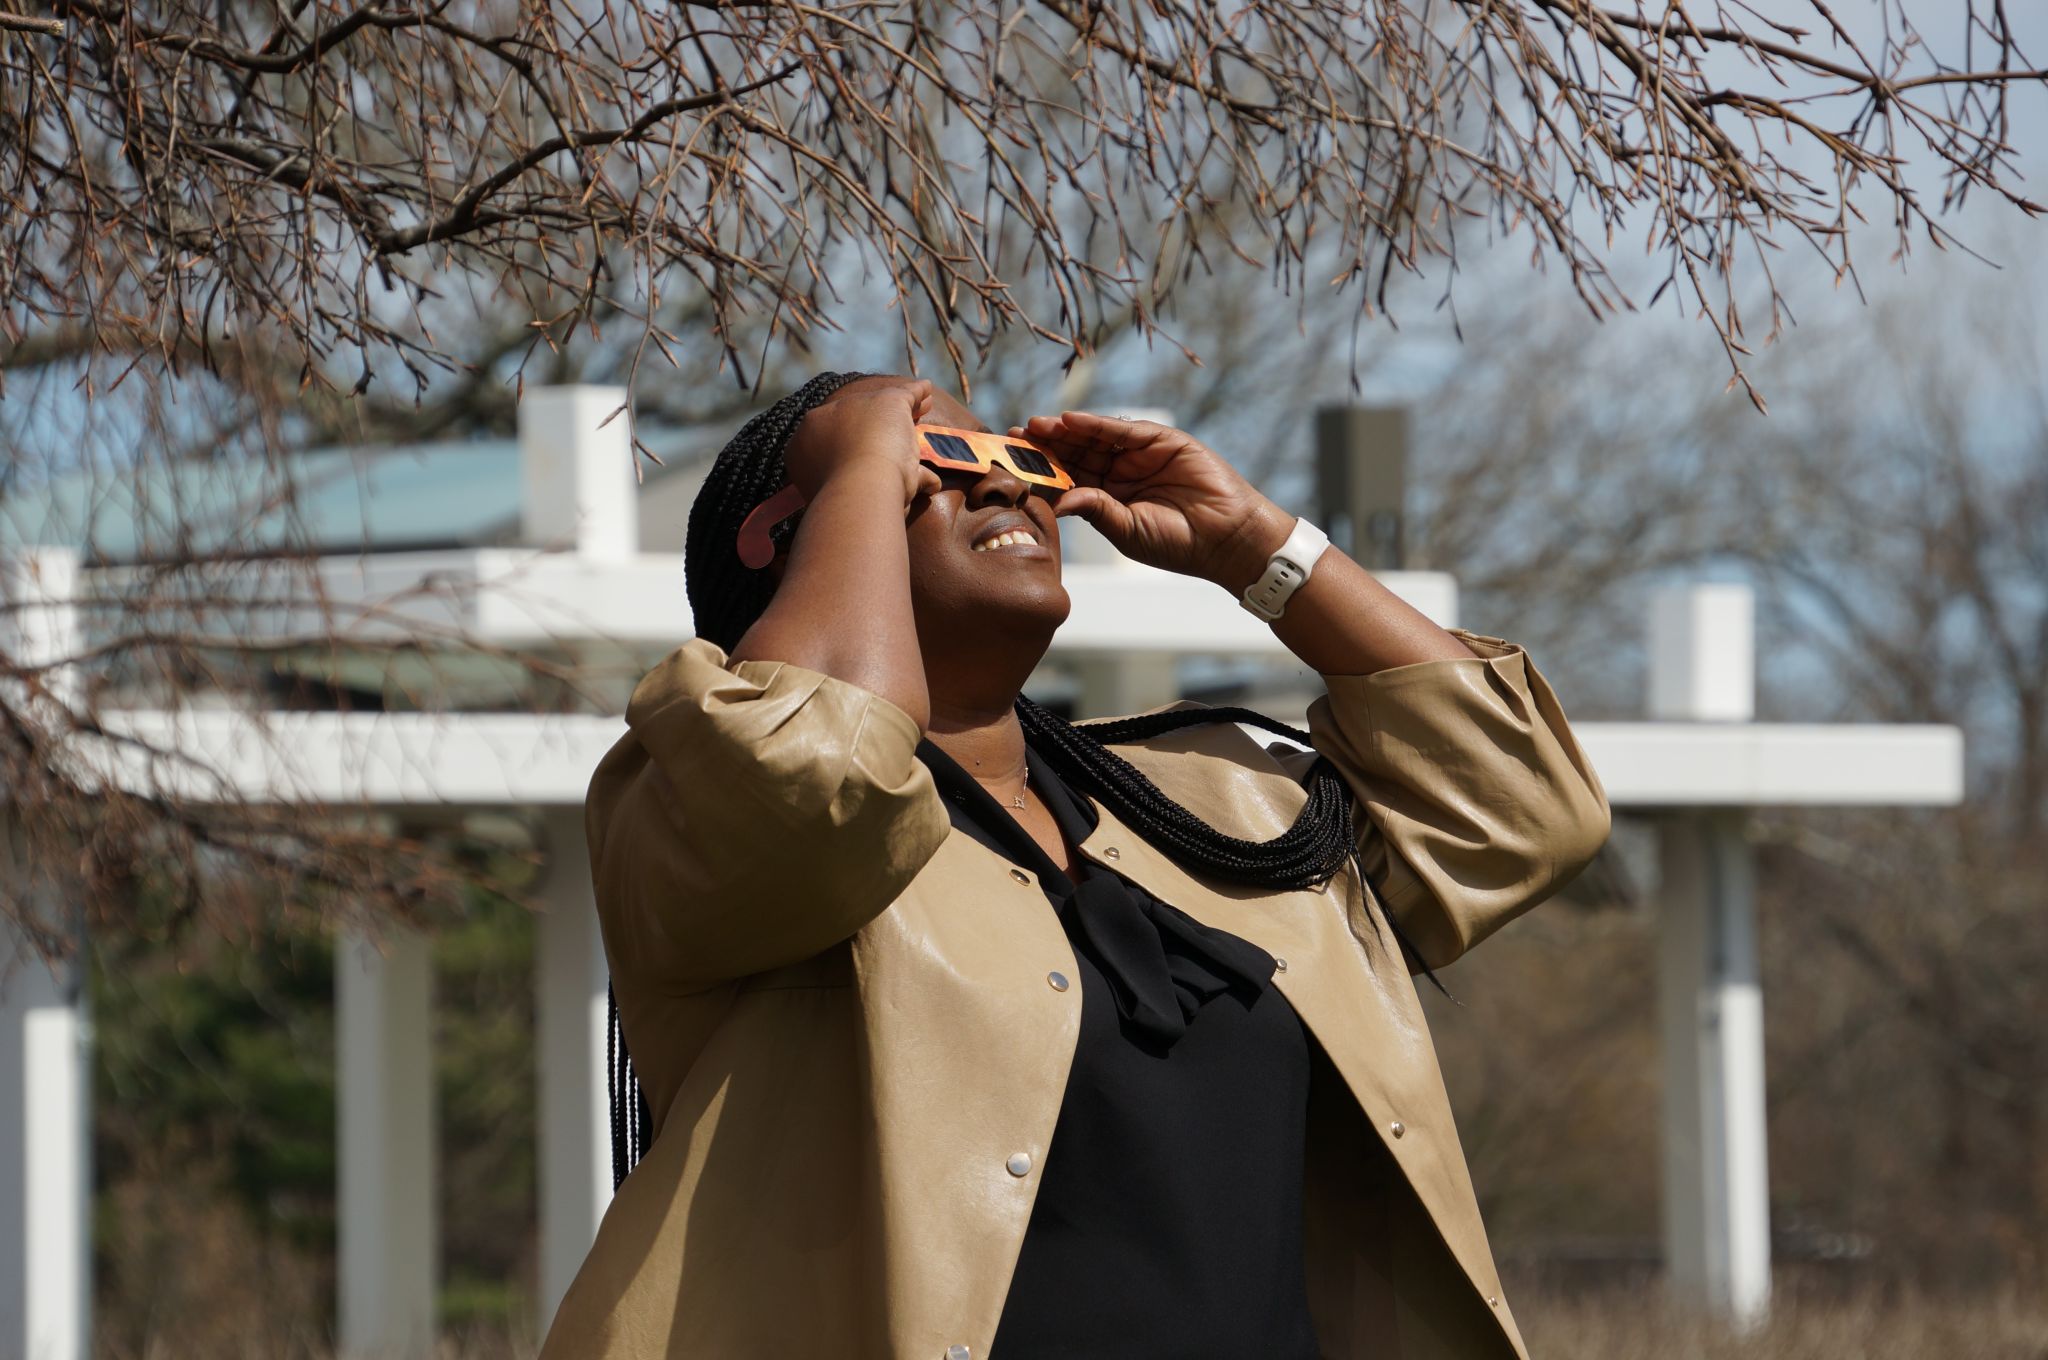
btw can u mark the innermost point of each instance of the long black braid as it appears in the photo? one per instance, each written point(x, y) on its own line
point(726, 597)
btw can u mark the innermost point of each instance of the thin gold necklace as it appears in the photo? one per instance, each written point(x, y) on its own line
point(1018, 801)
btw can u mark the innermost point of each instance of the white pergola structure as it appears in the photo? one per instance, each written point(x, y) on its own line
point(584, 586)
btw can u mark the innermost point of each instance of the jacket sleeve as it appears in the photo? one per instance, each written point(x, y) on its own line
point(1476, 802)
point(754, 814)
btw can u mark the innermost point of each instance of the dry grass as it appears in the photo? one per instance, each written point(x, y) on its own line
point(1870, 1324)
point(1602, 1324)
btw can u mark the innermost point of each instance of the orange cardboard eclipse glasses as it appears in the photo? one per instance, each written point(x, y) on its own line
point(942, 446)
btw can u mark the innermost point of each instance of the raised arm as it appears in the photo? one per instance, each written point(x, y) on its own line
point(755, 813)
point(842, 600)
point(765, 805)
point(1477, 802)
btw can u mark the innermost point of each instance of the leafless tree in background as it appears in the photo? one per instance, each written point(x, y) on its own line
point(183, 180)
point(1894, 517)
point(1906, 535)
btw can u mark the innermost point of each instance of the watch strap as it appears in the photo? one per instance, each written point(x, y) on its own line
point(1286, 569)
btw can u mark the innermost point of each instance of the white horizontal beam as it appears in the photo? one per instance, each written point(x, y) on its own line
point(504, 597)
point(1122, 607)
point(385, 759)
point(499, 759)
point(517, 597)
point(1775, 764)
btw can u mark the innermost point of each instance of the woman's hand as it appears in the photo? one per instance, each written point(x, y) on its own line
point(842, 598)
point(1161, 497)
point(866, 423)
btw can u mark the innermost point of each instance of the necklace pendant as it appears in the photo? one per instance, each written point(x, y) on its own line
point(1018, 801)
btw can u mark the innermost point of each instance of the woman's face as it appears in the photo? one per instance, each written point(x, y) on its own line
point(984, 557)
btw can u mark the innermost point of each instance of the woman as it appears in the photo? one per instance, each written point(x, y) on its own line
point(963, 1034)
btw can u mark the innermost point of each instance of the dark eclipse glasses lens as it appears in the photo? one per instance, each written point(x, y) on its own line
point(950, 446)
point(1030, 459)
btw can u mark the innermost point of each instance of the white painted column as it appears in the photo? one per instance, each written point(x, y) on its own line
point(1717, 1233)
point(1114, 684)
point(45, 1030)
point(575, 1111)
point(577, 463)
point(576, 469)
point(45, 1157)
point(389, 1247)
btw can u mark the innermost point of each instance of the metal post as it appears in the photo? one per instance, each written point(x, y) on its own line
point(389, 1238)
point(1716, 1176)
point(1362, 481)
point(45, 1029)
point(575, 1128)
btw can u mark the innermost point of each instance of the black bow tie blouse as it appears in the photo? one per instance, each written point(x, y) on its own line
point(1168, 1220)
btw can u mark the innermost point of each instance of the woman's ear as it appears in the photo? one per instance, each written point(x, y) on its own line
point(780, 562)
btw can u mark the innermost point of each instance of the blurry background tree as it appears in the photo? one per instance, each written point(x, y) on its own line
point(1893, 515)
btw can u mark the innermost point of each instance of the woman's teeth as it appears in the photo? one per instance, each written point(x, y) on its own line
point(1002, 539)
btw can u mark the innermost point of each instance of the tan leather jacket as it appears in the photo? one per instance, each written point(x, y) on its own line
point(841, 1015)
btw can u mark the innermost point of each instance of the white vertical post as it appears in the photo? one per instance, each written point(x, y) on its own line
point(45, 1032)
point(1717, 1237)
point(576, 471)
point(1113, 685)
point(45, 1156)
point(389, 1248)
point(575, 1122)
point(1703, 653)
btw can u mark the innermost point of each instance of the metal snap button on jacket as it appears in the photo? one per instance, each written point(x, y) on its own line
point(1279, 964)
point(1058, 981)
point(958, 1353)
point(1019, 1163)
point(1020, 875)
point(1397, 1128)
point(1111, 852)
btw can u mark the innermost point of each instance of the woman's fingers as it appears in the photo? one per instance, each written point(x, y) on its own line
point(1102, 442)
point(1099, 508)
point(1113, 430)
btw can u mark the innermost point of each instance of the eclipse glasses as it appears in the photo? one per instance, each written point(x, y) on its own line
point(940, 446)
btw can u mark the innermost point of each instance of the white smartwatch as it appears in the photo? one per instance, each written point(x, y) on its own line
point(1286, 569)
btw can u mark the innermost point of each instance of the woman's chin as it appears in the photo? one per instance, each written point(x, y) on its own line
point(1028, 610)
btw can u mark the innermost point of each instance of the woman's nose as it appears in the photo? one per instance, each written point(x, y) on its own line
point(998, 486)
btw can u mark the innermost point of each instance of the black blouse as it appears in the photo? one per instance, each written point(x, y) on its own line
point(1168, 1220)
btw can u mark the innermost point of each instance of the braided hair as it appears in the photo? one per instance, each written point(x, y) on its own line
point(726, 597)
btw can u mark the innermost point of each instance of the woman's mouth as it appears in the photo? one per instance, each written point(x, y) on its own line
point(1007, 538)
